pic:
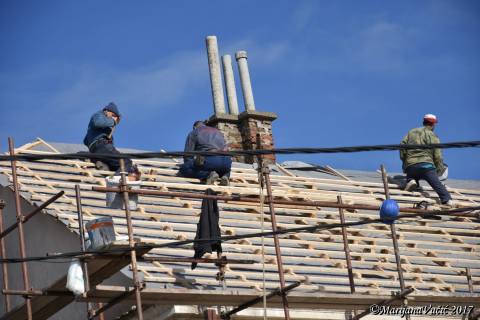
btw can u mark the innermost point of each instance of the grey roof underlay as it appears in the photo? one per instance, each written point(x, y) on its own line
point(303, 261)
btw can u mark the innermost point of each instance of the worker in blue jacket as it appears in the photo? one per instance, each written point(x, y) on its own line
point(99, 139)
point(204, 138)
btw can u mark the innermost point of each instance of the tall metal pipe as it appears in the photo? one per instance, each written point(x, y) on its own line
point(230, 84)
point(241, 57)
point(266, 173)
point(81, 232)
point(347, 250)
point(133, 256)
point(4, 256)
point(215, 75)
point(394, 238)
point(20, 228)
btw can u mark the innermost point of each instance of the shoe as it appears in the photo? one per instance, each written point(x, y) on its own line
point(411, 185)
point(224, 181)
point(451, 204)
point(101, 166)
point(212, 177)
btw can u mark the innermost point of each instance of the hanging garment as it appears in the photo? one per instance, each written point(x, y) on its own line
point(207, 228)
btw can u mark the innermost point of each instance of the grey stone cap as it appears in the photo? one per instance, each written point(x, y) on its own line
point(258, 115)
point(222, 117)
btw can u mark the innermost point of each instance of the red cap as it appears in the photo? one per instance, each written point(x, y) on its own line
point(430, 118)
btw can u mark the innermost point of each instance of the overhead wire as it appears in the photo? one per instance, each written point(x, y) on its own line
point(146, 155)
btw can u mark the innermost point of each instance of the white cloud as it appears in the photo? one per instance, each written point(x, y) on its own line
point(302, 16)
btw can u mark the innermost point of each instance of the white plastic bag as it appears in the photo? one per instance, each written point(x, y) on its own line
point(75, 282)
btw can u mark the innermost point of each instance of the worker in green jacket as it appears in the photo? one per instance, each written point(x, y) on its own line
point(424, 163)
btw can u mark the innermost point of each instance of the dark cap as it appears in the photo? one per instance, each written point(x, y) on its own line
point(112, 107)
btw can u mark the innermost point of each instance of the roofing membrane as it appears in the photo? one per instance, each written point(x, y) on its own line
point(434, 252)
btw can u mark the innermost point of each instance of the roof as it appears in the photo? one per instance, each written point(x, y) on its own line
point(434, 253)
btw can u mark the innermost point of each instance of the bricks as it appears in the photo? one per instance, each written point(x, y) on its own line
point(243, 136)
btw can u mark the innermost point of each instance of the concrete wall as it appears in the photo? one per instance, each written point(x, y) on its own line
point(44, 234)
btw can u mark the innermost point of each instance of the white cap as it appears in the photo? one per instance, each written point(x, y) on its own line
point(430, 118)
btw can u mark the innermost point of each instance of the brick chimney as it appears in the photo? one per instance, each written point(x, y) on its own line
point(239, 130)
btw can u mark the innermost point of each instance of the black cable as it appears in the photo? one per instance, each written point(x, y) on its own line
point(146, 155)
point(236, 237)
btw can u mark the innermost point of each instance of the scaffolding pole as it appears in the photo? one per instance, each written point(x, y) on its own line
point(81, 232)
point(21, 236)
point(4, 256)
point(136, 283)
point(347, 250)
point(269, 199)
point(395, 242)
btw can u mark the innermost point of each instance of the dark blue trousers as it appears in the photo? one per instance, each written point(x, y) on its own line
point(221, 165)
point(106, 148)
point(415, 172)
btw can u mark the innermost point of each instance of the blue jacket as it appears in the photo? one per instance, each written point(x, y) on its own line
point(203, 139)
point(99, 126)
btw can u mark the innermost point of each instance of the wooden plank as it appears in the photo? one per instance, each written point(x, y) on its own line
point(296, 298)
point(44, 307)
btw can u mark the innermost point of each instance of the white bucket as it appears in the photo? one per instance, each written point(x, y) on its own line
point(115, 200)
point(100, 232)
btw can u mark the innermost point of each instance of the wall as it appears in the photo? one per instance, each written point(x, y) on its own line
point(43, 234)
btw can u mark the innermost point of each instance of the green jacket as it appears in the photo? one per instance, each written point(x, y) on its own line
point(422, 135)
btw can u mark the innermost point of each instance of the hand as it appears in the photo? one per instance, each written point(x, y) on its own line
point(116, 119)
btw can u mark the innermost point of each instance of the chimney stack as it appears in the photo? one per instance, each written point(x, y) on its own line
point(239, 130)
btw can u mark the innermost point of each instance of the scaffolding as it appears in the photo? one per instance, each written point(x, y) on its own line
point(98, 267)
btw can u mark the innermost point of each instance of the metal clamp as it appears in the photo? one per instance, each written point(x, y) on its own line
point(30, 294)
point(220, 276)
point(223, 263)
point(124, 188)
point(21, 219)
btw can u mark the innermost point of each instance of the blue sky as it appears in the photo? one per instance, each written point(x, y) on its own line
point(337, 73)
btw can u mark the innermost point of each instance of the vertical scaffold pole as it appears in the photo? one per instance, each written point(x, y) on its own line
point(347, 250)
point(82, 244)
point(136, 284)
point(4, 256)
point(269, 199)
point(20, 228)
point(394, 238)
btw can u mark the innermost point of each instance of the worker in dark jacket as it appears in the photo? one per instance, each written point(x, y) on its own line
point(204, 138)
point(424, 163)
point(98, 138)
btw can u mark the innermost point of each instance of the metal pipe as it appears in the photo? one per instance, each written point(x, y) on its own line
point(269, 198)
point(469, 279)
point(282, 202)
point(347, 250)
point(124, 186)
point(31, 214)
point(279, 291)
point(81, 232)
point(20, 227)
point(398, 296)
point(241, 57)
point(148, 259)
point(394, 238)
point(37, 293)
point(116, 301)
point(210, 314)
point(4, 256)
point(230, 84)
point(101, 316)
point(215, 75)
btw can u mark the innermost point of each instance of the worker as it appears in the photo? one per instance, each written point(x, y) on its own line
point(204, 138)
point(99, 139)
point(424, 163)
